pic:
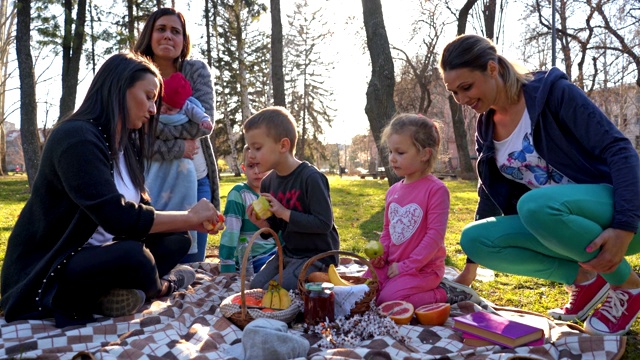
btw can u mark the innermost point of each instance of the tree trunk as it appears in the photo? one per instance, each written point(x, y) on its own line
point(380, 106)
point(28, 105)
point(131, 24)
point(71, 55)
point(207, 27)
point(463, 16)
point(93, 38)
point(245, 106)
point(277, 73)
point(489, 18)
point(460, 134)
point(303, 118)
point(7, 16)
point(457, 119)
point(3, 150)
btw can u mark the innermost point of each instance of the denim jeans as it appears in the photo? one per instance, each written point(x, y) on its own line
point(204, 191)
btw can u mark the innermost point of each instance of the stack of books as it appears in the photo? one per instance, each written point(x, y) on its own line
point(483, 328)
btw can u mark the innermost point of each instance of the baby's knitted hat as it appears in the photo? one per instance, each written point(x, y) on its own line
point(176, 90)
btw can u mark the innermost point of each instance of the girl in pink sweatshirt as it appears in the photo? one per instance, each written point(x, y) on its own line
point(416, 214)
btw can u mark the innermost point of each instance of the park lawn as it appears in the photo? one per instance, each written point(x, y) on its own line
point(358, 210)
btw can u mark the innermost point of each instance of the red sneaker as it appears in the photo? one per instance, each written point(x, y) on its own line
point(616, 315)
point(583, 299)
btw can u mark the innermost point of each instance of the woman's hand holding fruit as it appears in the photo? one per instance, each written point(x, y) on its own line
point(213, 229)
point(204, 211)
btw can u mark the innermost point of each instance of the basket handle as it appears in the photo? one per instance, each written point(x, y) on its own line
point(305, 267)
point(245, 258)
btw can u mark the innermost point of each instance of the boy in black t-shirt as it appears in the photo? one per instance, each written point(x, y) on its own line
point(298, 195)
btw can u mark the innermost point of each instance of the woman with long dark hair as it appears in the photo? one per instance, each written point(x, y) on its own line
point(165, 40)
point(87, 241)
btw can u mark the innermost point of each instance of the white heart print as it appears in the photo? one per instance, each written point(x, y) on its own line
point(403, 221)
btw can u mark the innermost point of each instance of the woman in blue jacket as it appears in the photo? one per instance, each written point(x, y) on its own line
point(535, 131)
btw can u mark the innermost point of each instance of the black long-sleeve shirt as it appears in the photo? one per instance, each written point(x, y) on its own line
point(311, 228)
point(73, 192)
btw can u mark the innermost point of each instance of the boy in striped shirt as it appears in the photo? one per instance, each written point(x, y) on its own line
point(237, 223)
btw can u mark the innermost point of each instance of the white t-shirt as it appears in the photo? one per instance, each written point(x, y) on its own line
point(518, 160)
point(128, 190)
point(200, 162)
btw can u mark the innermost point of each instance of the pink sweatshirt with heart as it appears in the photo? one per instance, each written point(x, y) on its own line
point(415, 222)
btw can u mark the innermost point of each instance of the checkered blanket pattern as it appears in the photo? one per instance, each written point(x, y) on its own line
point(189, 325)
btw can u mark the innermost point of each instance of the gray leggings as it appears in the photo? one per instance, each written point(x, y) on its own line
point(290, 273)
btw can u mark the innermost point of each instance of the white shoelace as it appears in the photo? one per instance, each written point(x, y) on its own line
point(574, 290)
point(615, 305)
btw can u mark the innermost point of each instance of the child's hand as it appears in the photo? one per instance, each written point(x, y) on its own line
point(393, 270)
point(377, 262)
point(207, 125)
point(254, 219)
point(276, 208)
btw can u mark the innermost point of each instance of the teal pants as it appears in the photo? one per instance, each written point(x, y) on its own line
point(548, 237)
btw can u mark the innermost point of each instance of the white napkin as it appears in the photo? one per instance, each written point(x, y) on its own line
point(347, 297)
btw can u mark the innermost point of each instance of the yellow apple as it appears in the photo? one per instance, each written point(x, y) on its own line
point(261, 208)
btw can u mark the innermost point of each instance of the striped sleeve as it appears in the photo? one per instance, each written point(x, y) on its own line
point(234, 212)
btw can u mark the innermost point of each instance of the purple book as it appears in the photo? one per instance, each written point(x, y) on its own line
point(497, 329)
point(473, 340)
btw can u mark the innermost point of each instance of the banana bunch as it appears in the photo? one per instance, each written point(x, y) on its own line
point(335, 278)
point(276, 297)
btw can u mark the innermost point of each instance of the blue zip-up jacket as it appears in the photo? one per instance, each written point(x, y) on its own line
point(574, 137)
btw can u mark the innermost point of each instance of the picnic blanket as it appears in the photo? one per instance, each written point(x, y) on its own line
point(189, 325)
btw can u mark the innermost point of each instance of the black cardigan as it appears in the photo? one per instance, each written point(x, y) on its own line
point(73, 192)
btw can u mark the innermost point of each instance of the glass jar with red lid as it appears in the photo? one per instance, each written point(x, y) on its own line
point(319, 303)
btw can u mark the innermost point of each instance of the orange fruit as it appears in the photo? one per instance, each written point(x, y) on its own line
point(433, 314)
point(268, 310)
point(385, 308)
point(399, 311)
point(249, 300)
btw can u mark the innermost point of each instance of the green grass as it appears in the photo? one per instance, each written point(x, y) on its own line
point(358, 210)
point(14, 191)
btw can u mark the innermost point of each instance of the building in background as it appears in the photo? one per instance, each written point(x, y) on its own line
point(14, 155)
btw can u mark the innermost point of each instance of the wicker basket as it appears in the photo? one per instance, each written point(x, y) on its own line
point(363, 304)
point(239, 314)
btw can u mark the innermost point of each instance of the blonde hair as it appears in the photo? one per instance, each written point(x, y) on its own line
point(423, 132)
point(245, 154)
point(475, 52)
point(278, 123)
